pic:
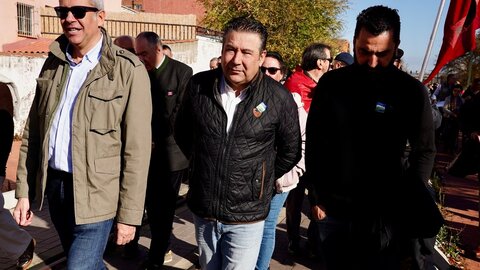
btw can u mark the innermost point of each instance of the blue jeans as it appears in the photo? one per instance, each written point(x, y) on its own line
point(83, 244)
point(268, 240)
point(227, 246)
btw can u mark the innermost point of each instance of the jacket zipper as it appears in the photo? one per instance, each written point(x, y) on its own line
point(220, 167)
point(226, 149)
point(263, 179)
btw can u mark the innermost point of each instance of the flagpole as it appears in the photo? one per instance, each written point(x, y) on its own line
point(430, 43)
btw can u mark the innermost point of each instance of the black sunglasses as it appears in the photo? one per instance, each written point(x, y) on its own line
point(78, 12)
point(328, 59)
point(271, 70)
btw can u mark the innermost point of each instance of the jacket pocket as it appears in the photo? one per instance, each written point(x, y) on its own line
point(259, 183)
point(106, 107)
point(108, 165)
point(246, 186)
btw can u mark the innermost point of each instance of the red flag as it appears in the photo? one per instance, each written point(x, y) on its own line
point(463, 18)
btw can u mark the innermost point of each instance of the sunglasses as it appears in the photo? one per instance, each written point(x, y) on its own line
point(78, 12)
point(271, 70)
point(328, 59)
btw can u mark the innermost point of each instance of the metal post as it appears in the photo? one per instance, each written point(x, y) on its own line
point(471, 58)
point(430, 44)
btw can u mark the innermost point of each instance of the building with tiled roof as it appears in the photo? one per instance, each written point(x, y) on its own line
point(24, 25)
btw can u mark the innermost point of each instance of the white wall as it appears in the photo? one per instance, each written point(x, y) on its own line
point(207, 49)
point(23, 71)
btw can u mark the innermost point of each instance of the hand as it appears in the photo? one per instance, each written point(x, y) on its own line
point(22, 214)
point(318, 212)
point(279, 185)
point(125, 233)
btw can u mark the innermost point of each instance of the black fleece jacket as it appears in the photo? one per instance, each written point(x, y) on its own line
point(357, 130)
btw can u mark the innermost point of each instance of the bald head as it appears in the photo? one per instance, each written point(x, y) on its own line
point(125, 42)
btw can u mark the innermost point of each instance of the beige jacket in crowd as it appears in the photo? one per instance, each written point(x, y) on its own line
point(111, 135)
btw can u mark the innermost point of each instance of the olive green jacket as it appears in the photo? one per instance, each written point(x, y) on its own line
point(111, 135)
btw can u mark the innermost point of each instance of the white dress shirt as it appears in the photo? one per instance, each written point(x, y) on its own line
point(230, 100)
point(60, 140)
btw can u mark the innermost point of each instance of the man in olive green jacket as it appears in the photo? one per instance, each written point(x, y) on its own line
point(87, 140)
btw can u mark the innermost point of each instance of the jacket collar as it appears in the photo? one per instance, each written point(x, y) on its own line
point(253, 84)
point(107, 60)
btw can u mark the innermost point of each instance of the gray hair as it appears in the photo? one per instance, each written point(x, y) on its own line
point(98, 4)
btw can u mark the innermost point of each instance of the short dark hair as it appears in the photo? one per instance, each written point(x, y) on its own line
point(312, 53)
point(278, 56)
point(166, 47)
point(247, 24)
point(378, 19)
point(399, 54)
point(151, 37)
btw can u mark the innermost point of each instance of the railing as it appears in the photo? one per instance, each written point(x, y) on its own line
point(51, 28)
point(209, 32)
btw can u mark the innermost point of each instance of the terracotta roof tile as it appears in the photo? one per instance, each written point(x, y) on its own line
point(29, 46)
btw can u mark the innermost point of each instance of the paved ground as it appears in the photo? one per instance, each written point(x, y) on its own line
point(48, 254)
point(461, 201)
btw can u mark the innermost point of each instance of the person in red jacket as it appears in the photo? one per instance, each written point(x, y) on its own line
point(316, 61)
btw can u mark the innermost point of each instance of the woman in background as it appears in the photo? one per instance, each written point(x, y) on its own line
point(274, 67)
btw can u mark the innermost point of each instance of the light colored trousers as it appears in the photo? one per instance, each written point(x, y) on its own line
point(13, 239)
point(227, 246)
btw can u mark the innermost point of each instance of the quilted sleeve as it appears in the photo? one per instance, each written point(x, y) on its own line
point(288, 139)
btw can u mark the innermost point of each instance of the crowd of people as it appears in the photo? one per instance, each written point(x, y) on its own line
point(117, 125)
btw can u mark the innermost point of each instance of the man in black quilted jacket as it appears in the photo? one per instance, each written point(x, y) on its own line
point(241, 129)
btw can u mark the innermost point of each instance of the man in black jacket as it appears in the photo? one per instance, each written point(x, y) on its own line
point(361, 118)
point(241, 129)
point(168, 165)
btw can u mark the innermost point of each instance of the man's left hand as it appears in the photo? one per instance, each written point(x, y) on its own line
point(124, 233)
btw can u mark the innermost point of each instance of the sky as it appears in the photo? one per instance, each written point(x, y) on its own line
point(417, 19)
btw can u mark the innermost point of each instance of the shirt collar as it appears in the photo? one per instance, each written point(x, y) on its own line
point(161, 62)
point(227, 89)
point(91, 56)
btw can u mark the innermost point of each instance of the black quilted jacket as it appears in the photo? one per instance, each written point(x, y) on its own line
point(233, 174)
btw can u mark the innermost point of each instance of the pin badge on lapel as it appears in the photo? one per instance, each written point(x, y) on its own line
point(380, 107)
point(257, 111)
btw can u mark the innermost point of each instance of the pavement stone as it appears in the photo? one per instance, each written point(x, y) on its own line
point(461, 200)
